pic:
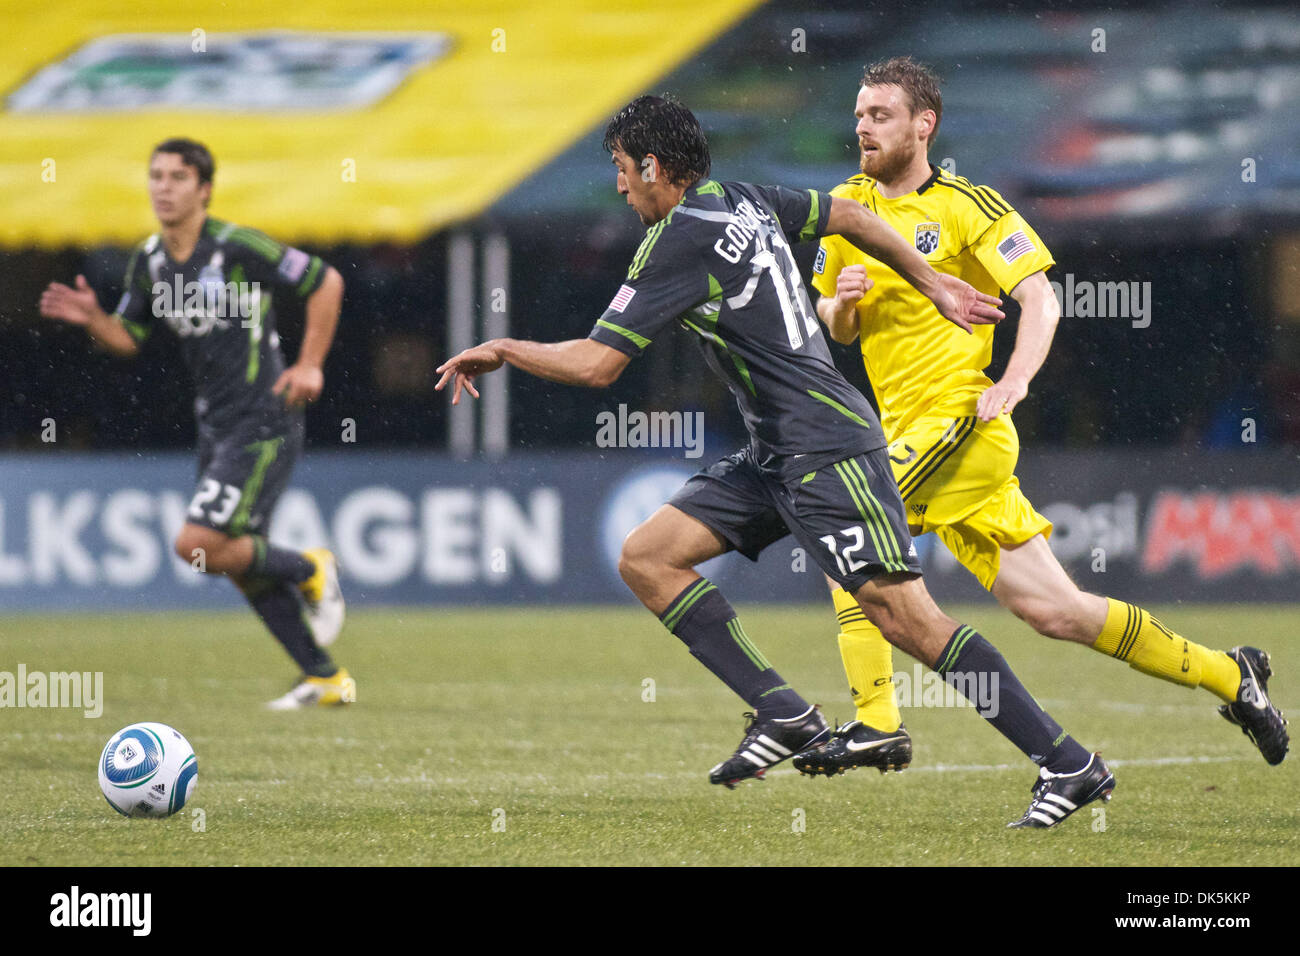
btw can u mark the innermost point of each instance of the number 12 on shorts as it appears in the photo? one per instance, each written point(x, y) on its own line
point(844, 556)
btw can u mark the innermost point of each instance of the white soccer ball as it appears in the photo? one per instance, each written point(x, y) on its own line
point(148, 770)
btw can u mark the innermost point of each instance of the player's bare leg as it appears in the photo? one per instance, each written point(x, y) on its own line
point(658, 563)
point(214, 552)
point(1032, 585)
point(659, 556)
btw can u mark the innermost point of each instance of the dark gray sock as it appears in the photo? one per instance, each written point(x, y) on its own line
point(277, 604)
point(703, 620)
point(279, 563)
point(977, 669)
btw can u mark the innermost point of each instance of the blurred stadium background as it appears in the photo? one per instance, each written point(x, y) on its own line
point(436, 153)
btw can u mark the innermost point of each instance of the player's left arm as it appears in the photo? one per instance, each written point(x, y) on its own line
point(575, 362)
point(1039, 315)
point(304, 380)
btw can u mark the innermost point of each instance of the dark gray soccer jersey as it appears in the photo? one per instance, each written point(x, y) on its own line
point(720, 264)
point(219, 304)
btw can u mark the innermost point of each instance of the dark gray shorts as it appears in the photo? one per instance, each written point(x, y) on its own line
point(242, 475)
point(848, 516)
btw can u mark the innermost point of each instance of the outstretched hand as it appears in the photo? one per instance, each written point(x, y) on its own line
point(467, 366)
point(76, 306)
point(964, 306)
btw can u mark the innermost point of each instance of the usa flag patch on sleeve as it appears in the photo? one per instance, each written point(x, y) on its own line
point(624, 296)
point(1014, 246)
point(294, 264)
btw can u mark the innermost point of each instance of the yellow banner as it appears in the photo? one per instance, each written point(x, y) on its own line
point(329, 121)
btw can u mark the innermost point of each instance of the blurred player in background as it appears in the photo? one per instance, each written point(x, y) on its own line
point(716, 256)
point(952, 445)
point(211, 282)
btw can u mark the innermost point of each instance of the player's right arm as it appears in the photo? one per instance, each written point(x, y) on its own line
point(667, 277)
point(79, 306)
point(575, 362)
point(839, 312)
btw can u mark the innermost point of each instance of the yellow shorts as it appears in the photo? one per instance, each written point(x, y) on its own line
point(957, 478)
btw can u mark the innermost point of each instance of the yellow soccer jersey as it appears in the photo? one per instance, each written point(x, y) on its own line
point(913, 354)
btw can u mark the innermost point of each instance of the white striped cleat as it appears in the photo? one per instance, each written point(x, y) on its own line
point(1057, 795)
point(768, 742)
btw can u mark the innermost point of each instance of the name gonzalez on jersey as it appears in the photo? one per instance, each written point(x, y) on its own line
point(741, 231)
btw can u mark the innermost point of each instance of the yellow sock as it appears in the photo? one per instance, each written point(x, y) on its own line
point(868, 664)
point(1132, 634)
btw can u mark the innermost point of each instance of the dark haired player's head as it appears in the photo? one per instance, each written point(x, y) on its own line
point(899, 108)
point(180, 179)
point(660, 150)
point(661, 127)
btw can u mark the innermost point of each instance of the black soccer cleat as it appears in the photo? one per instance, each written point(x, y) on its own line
point(1057, 795)
point(767, 743)
point(857, 745)
point(1252, 711)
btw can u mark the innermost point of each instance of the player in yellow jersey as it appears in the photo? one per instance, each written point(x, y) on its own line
point(952, 444)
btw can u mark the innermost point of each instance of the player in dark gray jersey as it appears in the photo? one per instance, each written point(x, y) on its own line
point(213, 284)
point(720, 263)
point(716, 258)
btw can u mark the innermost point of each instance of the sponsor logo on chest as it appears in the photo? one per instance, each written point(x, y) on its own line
point(196, 307)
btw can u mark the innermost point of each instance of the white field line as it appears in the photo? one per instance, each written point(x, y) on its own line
point(1025, 767)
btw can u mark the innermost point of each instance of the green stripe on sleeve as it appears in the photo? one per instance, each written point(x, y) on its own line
point(640, 341)
point(809, 230)
point(134, 329)
point(310, 277)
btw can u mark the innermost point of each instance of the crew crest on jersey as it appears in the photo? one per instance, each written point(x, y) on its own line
point(927, 237)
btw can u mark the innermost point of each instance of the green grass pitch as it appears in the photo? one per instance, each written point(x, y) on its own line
point(521, 736)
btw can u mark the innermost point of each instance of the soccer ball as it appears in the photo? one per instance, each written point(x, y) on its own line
point(147, 770)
